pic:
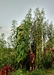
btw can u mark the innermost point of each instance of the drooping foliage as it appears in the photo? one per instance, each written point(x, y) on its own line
point(22, 37)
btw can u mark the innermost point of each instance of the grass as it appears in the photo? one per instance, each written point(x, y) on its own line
point(50, 72)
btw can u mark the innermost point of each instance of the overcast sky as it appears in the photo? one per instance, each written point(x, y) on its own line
point(17, 9)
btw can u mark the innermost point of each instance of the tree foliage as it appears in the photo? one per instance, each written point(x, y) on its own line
point(22, 37)
point(2, 41)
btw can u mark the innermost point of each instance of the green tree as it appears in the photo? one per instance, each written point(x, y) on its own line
point(42, 29)
point(38, 35)
point(49, 34)
point(11, 38)
point(22, 38)
point(2, 41)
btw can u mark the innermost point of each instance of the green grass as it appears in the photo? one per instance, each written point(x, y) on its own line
point(48, 72)
point(52, 71)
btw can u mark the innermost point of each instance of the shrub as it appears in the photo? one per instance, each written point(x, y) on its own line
point(47, 61)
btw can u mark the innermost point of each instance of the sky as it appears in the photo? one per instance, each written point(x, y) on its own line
point(17, 9)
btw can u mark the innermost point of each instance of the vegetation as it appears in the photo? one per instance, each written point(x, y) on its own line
point(32, 33)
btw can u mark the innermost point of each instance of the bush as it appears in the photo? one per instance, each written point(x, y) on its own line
point(47, 61)
point(53, 65)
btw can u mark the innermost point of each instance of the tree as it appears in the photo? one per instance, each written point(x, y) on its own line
point(12, 37)
point(2, 41)
point(22, 37)
point(2, 46)
point(41, 30)
point(50, 35)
